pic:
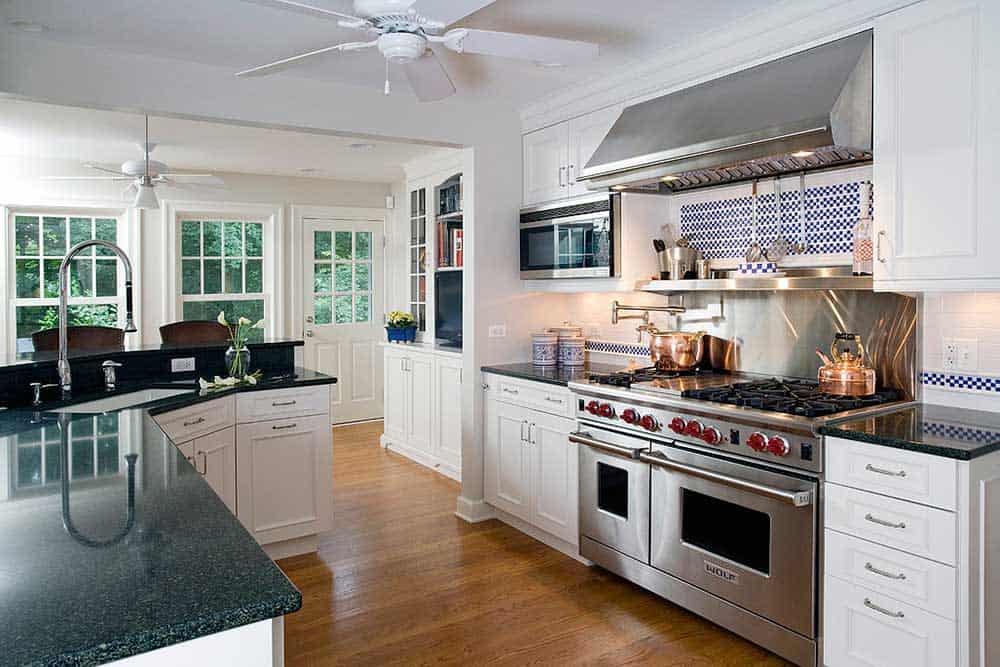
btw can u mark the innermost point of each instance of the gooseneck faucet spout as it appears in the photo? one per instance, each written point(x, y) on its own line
point(65, 376)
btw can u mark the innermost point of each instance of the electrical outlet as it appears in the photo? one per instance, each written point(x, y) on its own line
point(182, 365)
point(968, 354)
point(949, 354)
point(498, 330)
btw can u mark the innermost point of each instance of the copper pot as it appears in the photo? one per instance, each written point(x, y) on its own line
point(675, 350)
point(845, 372)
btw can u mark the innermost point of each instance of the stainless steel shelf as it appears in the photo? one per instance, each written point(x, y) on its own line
point(802, 279)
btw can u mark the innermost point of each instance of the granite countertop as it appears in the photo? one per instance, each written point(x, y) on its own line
point(558, 375)
point(953, 433)
point(86, 577)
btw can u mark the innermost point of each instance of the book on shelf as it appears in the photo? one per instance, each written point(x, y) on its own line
point(457, 253)
point(444, 245)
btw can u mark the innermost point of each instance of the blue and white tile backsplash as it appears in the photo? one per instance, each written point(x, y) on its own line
point(723, 228)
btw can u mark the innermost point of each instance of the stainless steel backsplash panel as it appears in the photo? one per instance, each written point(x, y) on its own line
point(778, 333)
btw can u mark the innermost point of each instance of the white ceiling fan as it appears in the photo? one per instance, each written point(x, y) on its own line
point(403, 36)
point(145, 175)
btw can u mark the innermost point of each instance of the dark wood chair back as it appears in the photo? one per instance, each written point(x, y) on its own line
point(193, 332)
point(82, 338)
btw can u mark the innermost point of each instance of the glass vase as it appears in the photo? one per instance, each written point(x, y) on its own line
point(238, 361)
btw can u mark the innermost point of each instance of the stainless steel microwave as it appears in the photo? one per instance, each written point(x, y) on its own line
point(572, 238)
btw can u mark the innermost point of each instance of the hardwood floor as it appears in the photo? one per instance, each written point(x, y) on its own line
point(401, 580)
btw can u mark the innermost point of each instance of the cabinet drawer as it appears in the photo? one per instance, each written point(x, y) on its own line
point(536, 395)
point(911, 579)
point(193, 422)
point(258, 406)
point(917, 529)
point(863, 629)
point(923, 478)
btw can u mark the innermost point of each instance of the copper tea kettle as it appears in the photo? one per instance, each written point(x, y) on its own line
point(846, 373)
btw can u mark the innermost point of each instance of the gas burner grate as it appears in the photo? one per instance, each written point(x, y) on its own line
point(794, 397)
point(627, 378)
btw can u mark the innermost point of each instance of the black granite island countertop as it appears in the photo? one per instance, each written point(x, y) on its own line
point(557, 375)
point(953, 433)
point(88, 577)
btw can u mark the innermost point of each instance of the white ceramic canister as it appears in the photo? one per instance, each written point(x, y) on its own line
point(571, 351)
point(544, 349)
point(566, 330)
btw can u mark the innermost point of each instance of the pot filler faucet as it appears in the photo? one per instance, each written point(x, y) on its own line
point(65, 377)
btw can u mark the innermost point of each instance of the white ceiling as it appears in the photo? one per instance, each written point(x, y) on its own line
point(46, 131)
point(236, 34)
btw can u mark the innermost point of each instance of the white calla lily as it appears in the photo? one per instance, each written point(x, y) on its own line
point(221, 319)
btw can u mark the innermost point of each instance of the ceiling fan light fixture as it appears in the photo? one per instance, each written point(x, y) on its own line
point(402, 47)
point(146, 199)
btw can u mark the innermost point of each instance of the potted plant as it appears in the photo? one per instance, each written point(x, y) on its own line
point(401, 327)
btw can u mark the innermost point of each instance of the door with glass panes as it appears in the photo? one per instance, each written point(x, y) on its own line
point(343, 309)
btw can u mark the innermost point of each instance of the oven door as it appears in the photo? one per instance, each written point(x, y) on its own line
point(580, 246)
point(614, 491)
point(745, 534)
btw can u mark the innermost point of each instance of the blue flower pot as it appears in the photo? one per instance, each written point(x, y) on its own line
point(401, 334)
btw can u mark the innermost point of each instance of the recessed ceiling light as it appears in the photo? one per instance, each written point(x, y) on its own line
point(308, 170)
point(549, 65)
point(26, 25)
point(803, 153)
point(363, 146)
point(619, 188)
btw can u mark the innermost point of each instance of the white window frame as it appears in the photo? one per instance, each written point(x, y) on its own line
point(129, 240)
point(271, 216)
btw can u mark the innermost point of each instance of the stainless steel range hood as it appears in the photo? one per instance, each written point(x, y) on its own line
point(810, 110)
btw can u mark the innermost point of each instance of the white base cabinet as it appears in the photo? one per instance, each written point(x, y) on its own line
point(423, 407)
point(530, 467)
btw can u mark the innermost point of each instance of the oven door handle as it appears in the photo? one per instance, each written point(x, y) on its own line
point(796, 498)
point(618, 450)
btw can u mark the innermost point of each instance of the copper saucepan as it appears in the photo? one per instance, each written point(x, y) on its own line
point(675, 350)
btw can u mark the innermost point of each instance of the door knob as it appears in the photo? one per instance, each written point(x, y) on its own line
point(310, 319)
point(309, 333)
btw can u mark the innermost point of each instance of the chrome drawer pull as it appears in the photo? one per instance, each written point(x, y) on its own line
point(554, 400)
point(282, 428)
point(887, 575)
point(515, 392)
point(199, 420)
point(883, 610)
point(282, 405)
point(883, 471)
point(883, 522)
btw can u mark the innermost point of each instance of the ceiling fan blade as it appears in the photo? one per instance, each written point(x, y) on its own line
point(200, 179)
point(516, 45)
point(428, 79)
point(304, 8)
point(279, 65)
point(93, 165)
point(87, 178)
point(450, 11)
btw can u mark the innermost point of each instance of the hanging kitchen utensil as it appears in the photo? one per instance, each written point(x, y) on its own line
point(846, 372)
point(802, 247)
point(754, 252)
point(779, 246)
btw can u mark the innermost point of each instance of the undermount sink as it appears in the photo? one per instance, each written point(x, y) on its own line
point(122, 401)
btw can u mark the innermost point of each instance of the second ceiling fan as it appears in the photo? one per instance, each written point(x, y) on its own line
point(403, 36)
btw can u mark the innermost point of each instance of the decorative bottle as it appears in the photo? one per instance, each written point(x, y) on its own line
point(863, 246)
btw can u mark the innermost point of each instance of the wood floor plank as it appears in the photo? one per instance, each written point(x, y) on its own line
point(402, 581)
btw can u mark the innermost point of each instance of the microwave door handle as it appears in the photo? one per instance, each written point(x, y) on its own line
point(588, 440)
point(796, 498)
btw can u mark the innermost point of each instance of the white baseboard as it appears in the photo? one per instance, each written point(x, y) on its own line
point(289, 548)
point(421, 457)
point(549, 540)
point(473, 511)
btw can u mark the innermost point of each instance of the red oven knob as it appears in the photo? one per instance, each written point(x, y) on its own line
point(711, 435)
point(607, 411)
point(677, 425)
point(778, 446)
point(630, 416)
point(649, 423)
point(593, 407)
point(757, 441)
point(693, 428)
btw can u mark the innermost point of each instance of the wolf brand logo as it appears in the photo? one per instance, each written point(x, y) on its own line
point(722, 573)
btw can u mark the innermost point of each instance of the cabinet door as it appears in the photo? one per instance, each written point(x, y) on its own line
point(448, 422)
point(555, 468)
point(506, 467)
point(936, 67)
point(545, 159)
point(420, 397)
point(395, 391)
point(215, 459)
point(585, 134)
point(285, 478)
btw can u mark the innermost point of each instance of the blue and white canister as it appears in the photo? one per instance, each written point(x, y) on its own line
point(544, 349)
point(571, 351)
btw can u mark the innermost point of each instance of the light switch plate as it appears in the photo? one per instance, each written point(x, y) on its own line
point(182, 365)
point(498, 330)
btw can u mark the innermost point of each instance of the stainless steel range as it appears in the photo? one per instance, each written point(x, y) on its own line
point(705, 489)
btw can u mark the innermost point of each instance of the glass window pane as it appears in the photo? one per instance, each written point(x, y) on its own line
point(414, 233)
point(323, 245)
point(26, 235)
point(191, 238)
point(234, 276)
point(82, 428)
point(414, 289)
point(107, 425)
point(51, 278)
point(53, 462)
point(362, 308)
point(414, 202)
point(252, 309)
point(107, 456)
point(212, 239)
point(342, 283)
point(422, 291)
point(363, 245)
point(81, 277)
point(28, 279)
point(213, 277)
point(255, 239)
point(29, 466)
point(234, 239)
point(191, 276)
point(54, 236)
point(323, 278)
point(82, 458)
point(30, 319)
point(343, 245)
point(105, 315)
point(322, 309)
point(422, 209)
point(362, 277)
point(81, 229)
point(28, 437)
point(107, 277)
point(106, 230)
point(344, 309)
point(255, 276)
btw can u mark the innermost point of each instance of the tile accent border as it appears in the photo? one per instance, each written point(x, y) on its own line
point(613, 347)
point(961, 381)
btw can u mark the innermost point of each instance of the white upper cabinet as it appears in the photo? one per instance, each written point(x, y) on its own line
point(937, 146)
point(555, 155)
